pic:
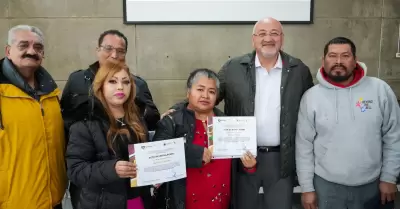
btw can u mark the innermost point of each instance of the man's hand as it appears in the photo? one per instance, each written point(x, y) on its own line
point(388, 191)
point(248, 160)
point(206, 156)
point(167, 113)
point(309, 200)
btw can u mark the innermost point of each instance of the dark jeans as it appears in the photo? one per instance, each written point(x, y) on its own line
point(278, 192)
point(58, 206)
point(335, 196)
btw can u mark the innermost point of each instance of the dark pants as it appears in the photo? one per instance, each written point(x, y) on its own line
point(278, 192)
point(75, 193)
point(336, 196)
point(58, 206)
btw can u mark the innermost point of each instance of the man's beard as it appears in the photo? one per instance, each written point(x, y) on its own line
point(338, 78)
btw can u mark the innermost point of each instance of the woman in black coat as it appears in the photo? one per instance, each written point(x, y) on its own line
point(97, 152)
point(209, 183)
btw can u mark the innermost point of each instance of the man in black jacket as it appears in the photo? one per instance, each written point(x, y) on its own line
point(268, 84)
point(112, 47)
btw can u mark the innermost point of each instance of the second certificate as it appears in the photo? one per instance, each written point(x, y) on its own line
point(233, 136)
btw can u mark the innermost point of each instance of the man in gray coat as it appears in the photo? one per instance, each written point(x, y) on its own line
point(267, 83)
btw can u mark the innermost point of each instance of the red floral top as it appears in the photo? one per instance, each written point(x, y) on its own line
point(208, 187)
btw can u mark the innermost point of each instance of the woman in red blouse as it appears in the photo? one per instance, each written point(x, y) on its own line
point(209, 183)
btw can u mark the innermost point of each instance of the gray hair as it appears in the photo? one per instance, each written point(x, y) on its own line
point(202, 72)
point(13, 30)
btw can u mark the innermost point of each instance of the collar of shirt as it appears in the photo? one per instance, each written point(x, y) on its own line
point(278, 64)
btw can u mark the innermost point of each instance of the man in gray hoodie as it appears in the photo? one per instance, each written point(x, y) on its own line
point(348, 135)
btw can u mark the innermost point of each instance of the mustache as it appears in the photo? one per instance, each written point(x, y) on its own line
point(338, 65)
point(267, 43)
point(32, 56)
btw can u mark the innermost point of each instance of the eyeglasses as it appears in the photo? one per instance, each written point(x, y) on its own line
point(110, 49)
point(273, 34)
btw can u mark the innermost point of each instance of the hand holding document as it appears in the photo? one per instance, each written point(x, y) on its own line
point(125, 169)
point(207, 155)
point(232, 137)
point(248, 160)
point(158, 162)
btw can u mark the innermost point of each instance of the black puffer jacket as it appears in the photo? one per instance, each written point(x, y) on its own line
point(181, 123)
point(74, 100)
point(91, 166)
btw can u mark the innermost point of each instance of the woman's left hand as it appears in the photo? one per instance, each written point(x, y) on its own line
point(248, 160)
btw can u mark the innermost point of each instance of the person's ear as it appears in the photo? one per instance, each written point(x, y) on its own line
point(322, 60)
point(7, 51)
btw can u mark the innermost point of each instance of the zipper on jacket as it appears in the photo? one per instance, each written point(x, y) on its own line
point(1, 121)
point(167, 203)
point(40, 102)
point(41, 108)
point(100, 202)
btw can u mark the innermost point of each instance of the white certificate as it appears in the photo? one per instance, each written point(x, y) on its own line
point(160, 161)
point(233, 136)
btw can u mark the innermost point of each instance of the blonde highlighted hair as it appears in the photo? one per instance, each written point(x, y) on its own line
point(131, 118)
